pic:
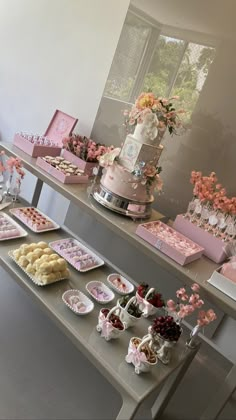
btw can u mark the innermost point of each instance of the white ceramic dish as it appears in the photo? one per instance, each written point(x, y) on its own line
point(22, 231)
point(81, 298)
point(102, 288)
point(54, 227)
point(34, 279)
point(129, 286)
point(99, 261)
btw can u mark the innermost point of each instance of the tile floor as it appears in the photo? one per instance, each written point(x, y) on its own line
point(42, 375)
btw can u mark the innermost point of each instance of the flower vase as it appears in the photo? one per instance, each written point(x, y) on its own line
point(192, 342)
point(165, 351)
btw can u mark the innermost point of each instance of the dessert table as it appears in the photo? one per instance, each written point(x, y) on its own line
point(107, 357)
point(198, 271)
point(111, 364)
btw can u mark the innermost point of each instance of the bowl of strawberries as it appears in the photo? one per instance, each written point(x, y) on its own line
point(149, 300)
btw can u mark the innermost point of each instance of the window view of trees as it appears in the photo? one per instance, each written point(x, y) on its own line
point(179, 68)
point(175, 67)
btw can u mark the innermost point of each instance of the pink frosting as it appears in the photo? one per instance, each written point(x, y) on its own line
point(123, 183)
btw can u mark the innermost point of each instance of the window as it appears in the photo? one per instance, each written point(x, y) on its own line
point(147, 59)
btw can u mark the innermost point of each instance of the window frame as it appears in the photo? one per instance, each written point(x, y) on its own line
point(158, 29)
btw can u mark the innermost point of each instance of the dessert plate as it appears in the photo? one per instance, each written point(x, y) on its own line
point(22, 232)
point(34, 279)
point(120, 284)
point(78, 255)
point(77, 302)
point(15, 212)
point(99, 291)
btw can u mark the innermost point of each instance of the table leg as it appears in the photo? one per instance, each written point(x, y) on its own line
point(221, 397)
point(37, 192)
point(171, 384)
point(128, 409)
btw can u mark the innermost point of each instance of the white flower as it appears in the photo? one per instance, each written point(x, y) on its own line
point(108, 158)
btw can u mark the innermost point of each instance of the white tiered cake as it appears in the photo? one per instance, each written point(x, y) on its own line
point(128, 182)
point(140, 151)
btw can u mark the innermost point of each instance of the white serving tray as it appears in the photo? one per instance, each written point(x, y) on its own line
point(22, 231)
point(82, 297)
point(129, 286)
point(34, 279)
point(100, 262)
point(102, 287)
point(225, 285)
point(54, 227)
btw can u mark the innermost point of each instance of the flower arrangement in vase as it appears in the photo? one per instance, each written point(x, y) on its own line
point(14, 167)
point(149, 300)
point(83, 152)
point(211, 208)
point(186, 305)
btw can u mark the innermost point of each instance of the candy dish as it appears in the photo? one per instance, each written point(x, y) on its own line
point(109, 323)
point(34, 219)
point(9, 229)
point(76, 254)
point(99, 291)
point(120, 284)
point(77, 302)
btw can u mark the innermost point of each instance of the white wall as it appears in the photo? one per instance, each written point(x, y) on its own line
point(55, 54)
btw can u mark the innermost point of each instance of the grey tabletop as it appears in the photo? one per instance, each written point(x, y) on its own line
point(198, 271)
point(108, 357)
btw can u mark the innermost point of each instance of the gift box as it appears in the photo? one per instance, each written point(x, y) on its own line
point(170, 242)
point(223, 284)
point(213, 247)
point(65, 179)
point(61, 125)
point(87, 167)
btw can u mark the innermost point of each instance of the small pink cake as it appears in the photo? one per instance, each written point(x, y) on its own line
point(122, 182)
point(34, 219)
point(8, 229)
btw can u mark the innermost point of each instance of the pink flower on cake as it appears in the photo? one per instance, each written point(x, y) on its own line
point(149, 170)
point(159, 183)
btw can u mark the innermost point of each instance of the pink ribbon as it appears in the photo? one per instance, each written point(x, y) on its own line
point(135, 356)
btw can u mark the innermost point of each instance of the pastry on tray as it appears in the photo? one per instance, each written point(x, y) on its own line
point(33, 218)
point(41, 263)
point(8, 229)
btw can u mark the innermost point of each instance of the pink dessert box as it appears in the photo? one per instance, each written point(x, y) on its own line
point(143, 231)
point(223, 284)
point(61, 125)
point(87, 167)
point(65, 179)
point(213, 247)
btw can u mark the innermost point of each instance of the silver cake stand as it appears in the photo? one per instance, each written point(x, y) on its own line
point(130, 208)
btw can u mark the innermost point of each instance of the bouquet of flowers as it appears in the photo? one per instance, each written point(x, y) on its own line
point(167, 117)
point(84, 148)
